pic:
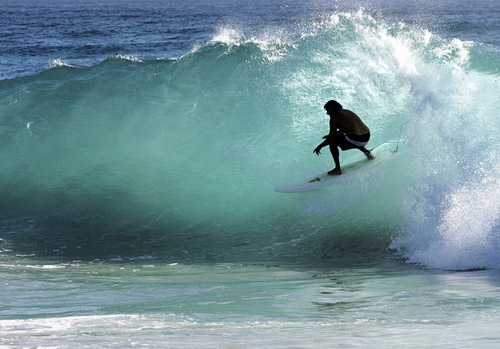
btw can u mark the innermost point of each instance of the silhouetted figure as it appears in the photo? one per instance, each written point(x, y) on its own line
point(347, 131)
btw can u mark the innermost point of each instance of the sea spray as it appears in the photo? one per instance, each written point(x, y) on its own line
point(442, 228)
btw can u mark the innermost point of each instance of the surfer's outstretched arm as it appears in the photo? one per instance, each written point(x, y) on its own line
point(324, 144)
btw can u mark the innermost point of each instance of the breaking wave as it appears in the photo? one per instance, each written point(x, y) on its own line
point(179, 158)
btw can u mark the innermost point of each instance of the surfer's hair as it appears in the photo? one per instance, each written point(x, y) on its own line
point(333, 106)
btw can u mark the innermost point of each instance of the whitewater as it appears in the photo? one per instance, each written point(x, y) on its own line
point(138, 202)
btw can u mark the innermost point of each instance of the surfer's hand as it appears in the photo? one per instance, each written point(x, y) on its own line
point(325, 137)
point(317, 150)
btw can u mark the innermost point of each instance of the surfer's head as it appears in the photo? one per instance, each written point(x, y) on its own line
point(332, 106)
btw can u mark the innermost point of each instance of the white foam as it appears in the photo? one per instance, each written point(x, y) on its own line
point(467, 232)
point(273, 43)
point(228, 36)
point(130, 58)
point(59, 63)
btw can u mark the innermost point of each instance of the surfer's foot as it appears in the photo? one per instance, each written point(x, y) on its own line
point(335, 171)
point(369, 155)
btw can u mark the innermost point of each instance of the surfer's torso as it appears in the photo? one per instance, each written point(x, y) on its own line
point(347, 122)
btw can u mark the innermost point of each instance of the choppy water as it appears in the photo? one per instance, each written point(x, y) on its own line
point(142, 143)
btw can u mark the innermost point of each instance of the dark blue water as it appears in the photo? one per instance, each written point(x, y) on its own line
point(36, 34)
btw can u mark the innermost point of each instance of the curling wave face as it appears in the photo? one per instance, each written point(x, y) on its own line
point(180, 158)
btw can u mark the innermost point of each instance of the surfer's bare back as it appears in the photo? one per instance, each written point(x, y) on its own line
point(347, 131)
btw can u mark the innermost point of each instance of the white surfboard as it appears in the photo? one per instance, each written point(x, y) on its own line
point(325, 179)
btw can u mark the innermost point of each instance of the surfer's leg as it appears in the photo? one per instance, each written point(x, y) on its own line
point(335, 154)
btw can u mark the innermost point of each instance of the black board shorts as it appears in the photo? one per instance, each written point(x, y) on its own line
point(345, 142)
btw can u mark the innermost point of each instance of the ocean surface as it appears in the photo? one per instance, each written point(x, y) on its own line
point(141, 144)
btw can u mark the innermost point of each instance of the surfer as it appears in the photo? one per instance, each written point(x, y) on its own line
point(347, 131)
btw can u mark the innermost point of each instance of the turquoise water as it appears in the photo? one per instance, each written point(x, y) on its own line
point(138, 177)
point(226, 305)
